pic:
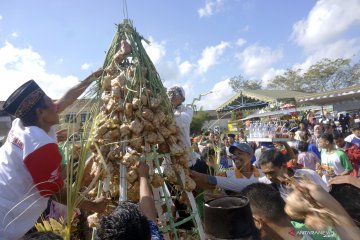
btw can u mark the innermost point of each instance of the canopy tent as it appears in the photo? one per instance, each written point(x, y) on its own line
point(255, 99)
point(335, 96)
point(345, 99)
point(285, 111)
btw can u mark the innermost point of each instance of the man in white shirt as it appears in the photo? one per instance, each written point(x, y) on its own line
point(273, 171)
point(242, 154)
point(183, 117)
point(30, 161)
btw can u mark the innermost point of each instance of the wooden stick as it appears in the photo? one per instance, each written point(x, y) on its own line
point(191, 198)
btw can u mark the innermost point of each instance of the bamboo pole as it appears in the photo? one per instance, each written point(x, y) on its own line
point(157, 199)
point(195, 212)
point(123, 184)
point(167, 201)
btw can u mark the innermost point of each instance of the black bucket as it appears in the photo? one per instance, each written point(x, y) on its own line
point(228, 218)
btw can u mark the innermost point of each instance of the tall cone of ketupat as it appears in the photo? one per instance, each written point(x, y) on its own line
point(135, 115)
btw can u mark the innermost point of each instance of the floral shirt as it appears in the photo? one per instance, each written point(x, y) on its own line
point(155, 232)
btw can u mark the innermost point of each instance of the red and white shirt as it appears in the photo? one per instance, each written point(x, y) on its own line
point(30, 172)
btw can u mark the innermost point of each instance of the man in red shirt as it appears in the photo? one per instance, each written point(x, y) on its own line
point(351, 150)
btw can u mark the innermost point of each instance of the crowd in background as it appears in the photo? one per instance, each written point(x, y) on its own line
point(326, 152)
point(304, 140)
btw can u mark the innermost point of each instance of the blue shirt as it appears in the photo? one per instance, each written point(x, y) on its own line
point(314, 149)
point(155, 232)
point(224, 162)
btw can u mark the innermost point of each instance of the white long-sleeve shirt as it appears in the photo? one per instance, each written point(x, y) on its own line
point(238, 184)
point(183, 117)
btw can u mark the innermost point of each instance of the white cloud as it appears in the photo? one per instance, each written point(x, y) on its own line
point(240, 42)
point(1, 17)
point(185, 67)
point(155, 50)
point(170, 71)
point(60, 61)
point(256, 60)
point(322, 33)
point(85, 66)
point(326, 22)
point(14, 34)
point(210, 56)
point(342, 48)
point(18, 65)
point(220, 93)
point(211, 7)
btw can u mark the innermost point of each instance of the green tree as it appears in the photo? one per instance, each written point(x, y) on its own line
point(324, 75)
point(328, 74)
point(354, 74)
point(238, 83)
point(198, 120)
point(289, 80)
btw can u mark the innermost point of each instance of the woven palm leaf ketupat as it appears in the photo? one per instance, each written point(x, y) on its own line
point(134, 122)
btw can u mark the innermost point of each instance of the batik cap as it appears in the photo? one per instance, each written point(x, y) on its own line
point(23, 99)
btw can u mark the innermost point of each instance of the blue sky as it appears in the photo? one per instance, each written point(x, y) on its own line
point(196, 44)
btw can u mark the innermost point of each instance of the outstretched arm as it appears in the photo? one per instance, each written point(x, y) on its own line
point(146, 204)
point(346, 179)
point(204, 181)
point(73, 93)
point(343, 223)
point(289, 150)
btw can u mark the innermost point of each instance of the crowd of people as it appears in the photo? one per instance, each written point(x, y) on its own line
point(320, 161)
point(321, 153)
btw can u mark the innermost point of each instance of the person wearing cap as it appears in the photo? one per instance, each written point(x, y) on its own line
point(273, 171)
point(183, 117)
point(247, 173)
point(30, 161)
point(241, 154)
point(354, 138)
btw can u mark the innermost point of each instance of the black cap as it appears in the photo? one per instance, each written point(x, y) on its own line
point(23, 99)
point(231, 135)
point(233, 214)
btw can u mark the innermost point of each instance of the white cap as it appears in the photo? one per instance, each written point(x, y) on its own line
point(179, 89)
